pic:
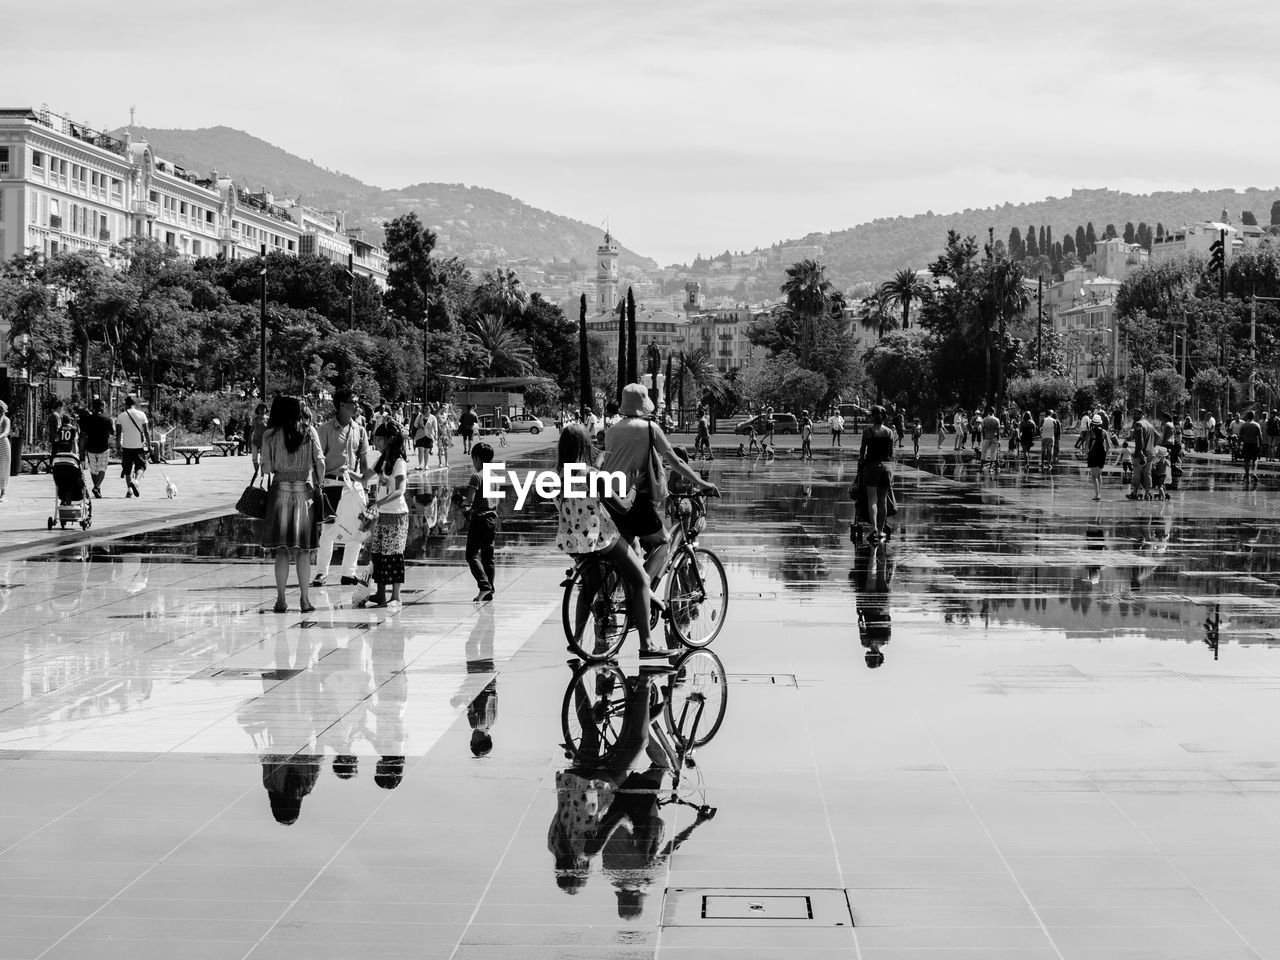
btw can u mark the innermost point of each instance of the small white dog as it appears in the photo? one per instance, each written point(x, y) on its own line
point(170, 488)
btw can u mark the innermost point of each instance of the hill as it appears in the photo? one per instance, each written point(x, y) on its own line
point(874, 251)
point(470, 221)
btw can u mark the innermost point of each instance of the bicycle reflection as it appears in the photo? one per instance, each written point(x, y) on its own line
point(631, 741)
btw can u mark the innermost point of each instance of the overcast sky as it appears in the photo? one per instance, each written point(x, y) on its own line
point(695, 125)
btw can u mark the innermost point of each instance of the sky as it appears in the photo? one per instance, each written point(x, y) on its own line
point(699, 125)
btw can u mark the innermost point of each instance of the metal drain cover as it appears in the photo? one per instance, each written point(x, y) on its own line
point(333, 624)
point(244, 673)
point(764, 907)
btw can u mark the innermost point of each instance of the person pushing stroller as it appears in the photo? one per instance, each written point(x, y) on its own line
point(72, 501)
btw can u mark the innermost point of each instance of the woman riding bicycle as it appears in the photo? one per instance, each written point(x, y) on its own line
point(636, 447)
point(585, 526)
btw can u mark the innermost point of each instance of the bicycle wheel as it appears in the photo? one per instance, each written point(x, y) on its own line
point(697, 597)
point(596, 610)
point(697, 698)
point(593, 712)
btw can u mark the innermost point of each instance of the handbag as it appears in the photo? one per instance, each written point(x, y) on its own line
point(253, 502)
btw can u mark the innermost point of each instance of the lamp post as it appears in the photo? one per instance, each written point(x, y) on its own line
point(262, 332)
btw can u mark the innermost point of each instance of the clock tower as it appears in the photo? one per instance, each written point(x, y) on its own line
point(607, 275)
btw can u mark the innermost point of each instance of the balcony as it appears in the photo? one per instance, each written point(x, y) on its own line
point(228, 235)
point(146, 208)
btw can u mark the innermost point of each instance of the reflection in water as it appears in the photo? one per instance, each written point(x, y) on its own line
point(342, 695)
point(482, 706)
point(873, 569)
point(626, 738)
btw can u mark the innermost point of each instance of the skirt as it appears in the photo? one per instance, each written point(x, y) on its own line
point(390, 533)
point(292, 516)
point(5, 466)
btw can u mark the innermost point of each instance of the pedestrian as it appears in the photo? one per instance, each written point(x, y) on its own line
point(990, 427)
point(702, 440)
point(1273, 434)
point(962, 429)
point(133, 436)
point(444, 434)
point(751, 436)
point(1160, 473)
point(1250, 448)
point(1096, 443)
point(390, 532)
point(916, 431)
point(768, 427)
point(1026, 436)
point(96, 429)
point(875, 475)
point(256, 435)
point(1144, 447)
point(1048, 440)
point(1233, 434)
point(836, 422)
point(899, 425)
point(344, 444)
point(806, 436)
point(418, 431)
point(975, 430)
point(1126, 462)
point(467, 427)
point(6, 454)
point(293, 460)
point(482, 525)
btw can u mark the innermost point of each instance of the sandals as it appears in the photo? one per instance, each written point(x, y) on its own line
point(658, 654)
point(280, 607)
point(307, 607)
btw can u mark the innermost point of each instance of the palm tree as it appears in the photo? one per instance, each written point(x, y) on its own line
point(906, 286)
point(698, 366)
point(500, 292)
point(509, 353)
point(808, 294)
point(876, 316)
point(1009, 297)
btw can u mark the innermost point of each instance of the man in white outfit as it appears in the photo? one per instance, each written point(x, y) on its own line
point(345, 446)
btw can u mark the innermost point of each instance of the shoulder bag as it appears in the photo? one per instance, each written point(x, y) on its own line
point(253, 502)
point(641, 519)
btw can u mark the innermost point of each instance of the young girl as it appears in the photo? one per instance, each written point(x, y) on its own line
point(391, 529)
point(444, 437)
point(585, 526)
point(1126, 462)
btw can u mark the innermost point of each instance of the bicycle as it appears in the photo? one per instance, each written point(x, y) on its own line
point(697, 592)
point(688, 713)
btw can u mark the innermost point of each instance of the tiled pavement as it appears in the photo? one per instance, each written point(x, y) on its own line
point(1050, 763)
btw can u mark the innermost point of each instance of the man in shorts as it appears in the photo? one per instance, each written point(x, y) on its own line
point(467, 427)
point(837, 428)
point(1048, 440)
point(133, 434)
point(1250, 448)
point(96, 430)
point(990, 440)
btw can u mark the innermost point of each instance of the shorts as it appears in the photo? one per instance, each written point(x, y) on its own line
point(991, 449)
point(98, 462)
point(1250, 451)
point(424, 443)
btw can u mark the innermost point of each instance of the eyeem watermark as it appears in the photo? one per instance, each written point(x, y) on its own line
point(577, 483)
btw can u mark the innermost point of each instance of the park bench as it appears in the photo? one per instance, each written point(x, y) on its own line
point(192, 454)
point(37, 459)
point(228, 447)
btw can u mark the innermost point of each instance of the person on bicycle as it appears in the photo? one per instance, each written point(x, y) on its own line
point(636, 447)
point(585, 526)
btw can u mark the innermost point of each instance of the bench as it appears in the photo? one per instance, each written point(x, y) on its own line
point(192, 454)
point(228, 447)
point(37, 459)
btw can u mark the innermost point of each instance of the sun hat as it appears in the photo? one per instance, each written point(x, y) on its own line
point(635, 401)
point(1096, 421)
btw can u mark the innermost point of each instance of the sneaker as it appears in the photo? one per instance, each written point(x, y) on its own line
point(97, 493)
point(349, 581)
point(318, 580)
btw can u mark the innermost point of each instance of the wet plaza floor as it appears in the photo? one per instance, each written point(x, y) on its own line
point(1067, 747)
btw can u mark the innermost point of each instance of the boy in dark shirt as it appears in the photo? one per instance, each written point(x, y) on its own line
point(482, 525)
point(96, 429)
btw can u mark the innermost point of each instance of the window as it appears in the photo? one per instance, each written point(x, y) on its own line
point(182, 208)
point(155, 197)
point(208, 217)
point(37, 158)
point(4, 160)
point(169, 238)
point(195, 247)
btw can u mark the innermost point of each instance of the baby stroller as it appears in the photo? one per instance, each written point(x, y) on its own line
point(859, 494)
point(72, 503)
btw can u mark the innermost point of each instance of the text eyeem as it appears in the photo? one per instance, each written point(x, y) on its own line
point(577, 482)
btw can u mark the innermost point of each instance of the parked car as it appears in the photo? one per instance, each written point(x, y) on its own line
point(782, 423)
point(527, 423)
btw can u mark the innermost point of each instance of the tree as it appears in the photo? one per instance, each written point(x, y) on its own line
point(1068, 245)
point(1275, 213)
point(553, 340)
point(1130, 232)
point(1041, 392)
point(506, 352)
point(410, 272)
point(1008, 297)
point(1110, 232)
point(633, 359)
point(500, 293)
point(1147, 345)
point(905, 287)
point(1044, 241)
point(808, 293)
point(1168, 391)
point(1160, 230)
point(1248, 219)
point(875, 314)
point(901, 367)
point(1090, 239)
point(1016, 248)
point(1033, 248)
point(1082, 244)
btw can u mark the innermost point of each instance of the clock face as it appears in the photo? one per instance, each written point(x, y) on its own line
point(604, 264)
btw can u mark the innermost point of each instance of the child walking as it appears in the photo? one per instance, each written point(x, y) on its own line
point(1160, 473)
point(391, 529)
point(806, 436)
point(482, 525)
point(916, 430)
point(1126, 462)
